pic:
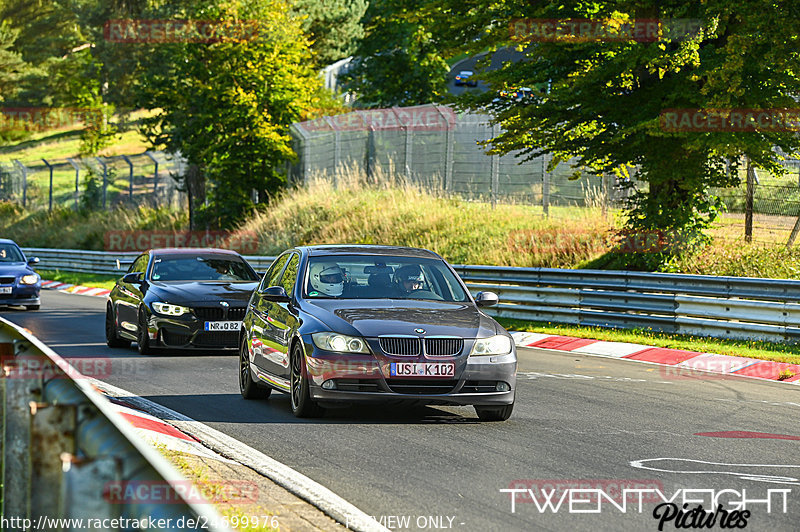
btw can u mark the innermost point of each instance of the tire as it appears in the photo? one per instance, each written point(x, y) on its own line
point(302, 404)
point(112, 336)
point(494, 413)
point(142, 337)
point(31, 307)
point(247, 386)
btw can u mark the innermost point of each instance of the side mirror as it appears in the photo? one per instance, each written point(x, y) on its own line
point(486, 299)
point(132, 278)
point(33, 260)
point(275, 293)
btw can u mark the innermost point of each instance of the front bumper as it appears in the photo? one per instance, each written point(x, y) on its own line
point(366, 379)
point(22, 295)
point(186, 332)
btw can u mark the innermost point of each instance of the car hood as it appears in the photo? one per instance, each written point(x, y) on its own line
point(14, 268)
point(197, 292)
point(372, 318)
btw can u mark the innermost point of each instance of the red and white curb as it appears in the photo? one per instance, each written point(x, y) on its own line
point(75, 289)
point(690, 361)
point(161, 434)
point(147, 417)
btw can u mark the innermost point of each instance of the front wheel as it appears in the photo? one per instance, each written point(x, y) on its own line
point(302, 404)
point(247, 387)
point(142, 335)
point(112, 336)
point(494, 413)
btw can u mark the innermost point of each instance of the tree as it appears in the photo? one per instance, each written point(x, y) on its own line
point(607, 97)
point(226, 106)
point(399, 61)
point(12, 67)
point(334, 27)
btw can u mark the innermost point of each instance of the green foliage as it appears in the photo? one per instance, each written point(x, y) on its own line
point(227, 106)
point(603, 99)
point(399, 60)
point(334, 27)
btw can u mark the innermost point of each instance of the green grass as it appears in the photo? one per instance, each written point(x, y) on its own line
point(94, 280)
point(778, 352)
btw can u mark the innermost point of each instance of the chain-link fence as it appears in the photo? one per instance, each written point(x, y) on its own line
point(94, 182)
point(432, 146)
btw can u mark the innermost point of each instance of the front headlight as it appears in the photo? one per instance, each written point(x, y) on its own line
point(31, 278)
point(494, 345)
point(169, 310)
point(339, 342)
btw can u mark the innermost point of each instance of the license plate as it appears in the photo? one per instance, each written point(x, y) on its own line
point(223, 325)
point(421, 369)
point(6, 289)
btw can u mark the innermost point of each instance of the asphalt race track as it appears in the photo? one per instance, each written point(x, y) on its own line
point(578, 420)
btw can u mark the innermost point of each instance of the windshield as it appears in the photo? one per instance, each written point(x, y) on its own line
point(381, 277)
point(201, 268)
point(10, 253)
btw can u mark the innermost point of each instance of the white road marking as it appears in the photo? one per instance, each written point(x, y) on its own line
point(744, 475)
point(576, 376)
point(611, 349)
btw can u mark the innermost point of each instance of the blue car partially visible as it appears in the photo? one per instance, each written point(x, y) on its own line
point(19, 284)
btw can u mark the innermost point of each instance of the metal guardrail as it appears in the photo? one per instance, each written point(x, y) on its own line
point(732, 307)
point(66, 451)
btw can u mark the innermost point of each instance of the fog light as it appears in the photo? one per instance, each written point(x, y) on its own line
point(329, 385)
point(502, 387)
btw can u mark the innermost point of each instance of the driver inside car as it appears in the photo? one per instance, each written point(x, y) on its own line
point(326, 279)
point(409, 278)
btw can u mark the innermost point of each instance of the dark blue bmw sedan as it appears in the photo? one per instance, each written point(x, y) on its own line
point(19, 284)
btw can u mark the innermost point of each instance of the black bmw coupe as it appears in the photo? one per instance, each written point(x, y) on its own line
point(180, 299)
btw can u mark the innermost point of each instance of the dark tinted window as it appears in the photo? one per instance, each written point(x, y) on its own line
point(10, 253)
point(139, 265)
point(382, 277)
point(201, 268)
point(274, 272)
point(290, 274)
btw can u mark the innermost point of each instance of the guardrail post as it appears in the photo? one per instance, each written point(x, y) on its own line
point(82, 488)
point(19, 391)
point(52, 429)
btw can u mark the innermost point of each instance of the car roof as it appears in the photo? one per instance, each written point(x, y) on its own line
point(356, 249)
point(192, 251)
point(8, 241)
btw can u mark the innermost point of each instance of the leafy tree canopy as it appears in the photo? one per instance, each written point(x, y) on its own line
point(334, 27)
point(399, 60)
point(606, 97)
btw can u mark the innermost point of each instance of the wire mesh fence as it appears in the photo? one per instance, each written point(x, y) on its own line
point(94, 182)
point(439, 150)
point(431, 146)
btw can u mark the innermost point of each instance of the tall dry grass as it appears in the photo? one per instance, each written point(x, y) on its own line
point(392, 211)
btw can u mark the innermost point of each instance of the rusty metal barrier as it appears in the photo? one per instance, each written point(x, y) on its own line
point(65, 448)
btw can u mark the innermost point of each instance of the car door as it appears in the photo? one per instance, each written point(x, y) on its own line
point(130, 296)
point(281, 318)
point(265, 351)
